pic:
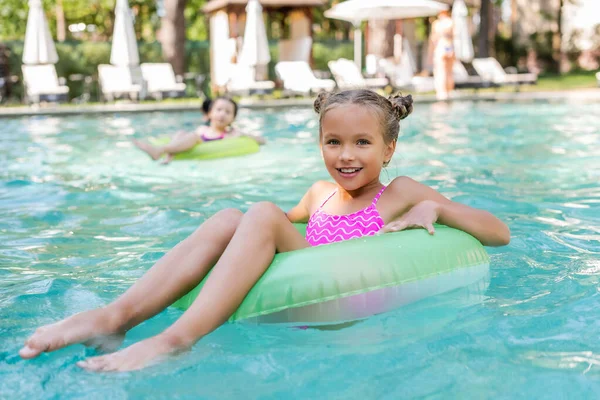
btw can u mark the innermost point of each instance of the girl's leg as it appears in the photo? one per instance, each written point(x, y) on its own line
point(179, 143)
point(439, 77)
point(172, 276)
point(449, 65)
point(263, 231)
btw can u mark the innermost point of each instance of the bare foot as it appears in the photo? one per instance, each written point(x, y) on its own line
point(95, 328)
point(146, 147)
point(167, 159)
point(137, 356)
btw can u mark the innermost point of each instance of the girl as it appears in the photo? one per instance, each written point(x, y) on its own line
point(221, 113)
point(358, 133)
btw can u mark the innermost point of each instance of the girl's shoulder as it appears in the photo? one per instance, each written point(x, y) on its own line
point(318, 192)
point(203, 129)
point(322, 188)
point(406, 188)
point(401, 188)
point(398, 197)
point(400, 184)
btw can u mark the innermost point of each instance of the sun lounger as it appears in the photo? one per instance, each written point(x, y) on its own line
point(298, 78)
point(242, 81)
point(402, 76)
point(116, 82)
point(161, 81)
point(348, 76)
point(42, 84)
point(462, 79)
point(490, 69)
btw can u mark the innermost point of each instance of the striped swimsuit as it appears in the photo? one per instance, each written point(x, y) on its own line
point(325, 228)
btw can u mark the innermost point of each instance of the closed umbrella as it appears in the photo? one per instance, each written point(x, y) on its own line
point(255, 50)
point(39, 47)
point(124, 51)
point(463, 46)
point(356, 11)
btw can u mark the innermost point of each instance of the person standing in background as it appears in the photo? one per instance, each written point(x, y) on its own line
point(441, 43)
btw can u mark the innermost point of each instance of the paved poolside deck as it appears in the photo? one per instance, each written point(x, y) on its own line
point(194, 104)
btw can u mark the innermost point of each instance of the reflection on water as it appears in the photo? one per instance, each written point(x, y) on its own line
point(83, 214)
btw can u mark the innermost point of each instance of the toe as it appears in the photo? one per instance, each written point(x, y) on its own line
point(92, 364)
point(28, 352)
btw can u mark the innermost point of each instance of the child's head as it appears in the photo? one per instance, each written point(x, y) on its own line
point(222, 111)
point(358, 130)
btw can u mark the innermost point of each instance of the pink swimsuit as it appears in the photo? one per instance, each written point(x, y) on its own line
point(325, 228)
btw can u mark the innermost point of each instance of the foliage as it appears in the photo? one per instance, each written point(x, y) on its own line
point(507, 51)
point(331, 50)
point(100, 14)
point(541, 42)
point(196, 20)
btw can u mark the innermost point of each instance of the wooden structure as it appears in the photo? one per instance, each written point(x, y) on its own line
point(286, 19)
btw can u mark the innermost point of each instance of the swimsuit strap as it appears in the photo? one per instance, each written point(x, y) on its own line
point(373, 203)
point(327, 199)
point(208, 139)
point(378, 196)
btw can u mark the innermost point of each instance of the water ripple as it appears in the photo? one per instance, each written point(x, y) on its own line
point(83, 214)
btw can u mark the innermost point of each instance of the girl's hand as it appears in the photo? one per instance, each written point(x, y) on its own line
point(422, 215)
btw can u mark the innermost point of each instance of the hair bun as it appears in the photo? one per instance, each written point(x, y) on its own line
point(402, 105)
point(320, 101)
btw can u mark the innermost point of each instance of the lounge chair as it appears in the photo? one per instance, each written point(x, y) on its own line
point(42, 84)
point(116, 82)
point(348, 76)
point(402, 76)
point(161, 81)
point(242, 81)
point(462, 79)
point(490, 69)
point(298, 78)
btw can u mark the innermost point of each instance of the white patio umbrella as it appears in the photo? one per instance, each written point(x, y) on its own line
point(408, 64)
point(39, 47)
point(357, 11)
point(463, 46)
point(255, 50)
point(124, 51)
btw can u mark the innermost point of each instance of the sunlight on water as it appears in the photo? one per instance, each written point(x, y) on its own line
point(83, 214)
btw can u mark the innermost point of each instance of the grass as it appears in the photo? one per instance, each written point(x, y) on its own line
point(570, 81)
point(553, 82)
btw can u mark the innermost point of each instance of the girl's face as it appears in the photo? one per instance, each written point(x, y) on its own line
point(353, 147)
point(222, 113)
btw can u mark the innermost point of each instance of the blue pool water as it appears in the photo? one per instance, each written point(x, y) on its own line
point(83, 215)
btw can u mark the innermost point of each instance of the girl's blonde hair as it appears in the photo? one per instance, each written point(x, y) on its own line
point(389, 110)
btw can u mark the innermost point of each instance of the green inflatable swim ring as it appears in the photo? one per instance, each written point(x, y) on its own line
point(228, 147)
point(357, 278)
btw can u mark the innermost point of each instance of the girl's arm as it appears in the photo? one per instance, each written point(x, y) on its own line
point(426, 206)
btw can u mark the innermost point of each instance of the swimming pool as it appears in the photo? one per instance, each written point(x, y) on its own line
point(83, 214)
